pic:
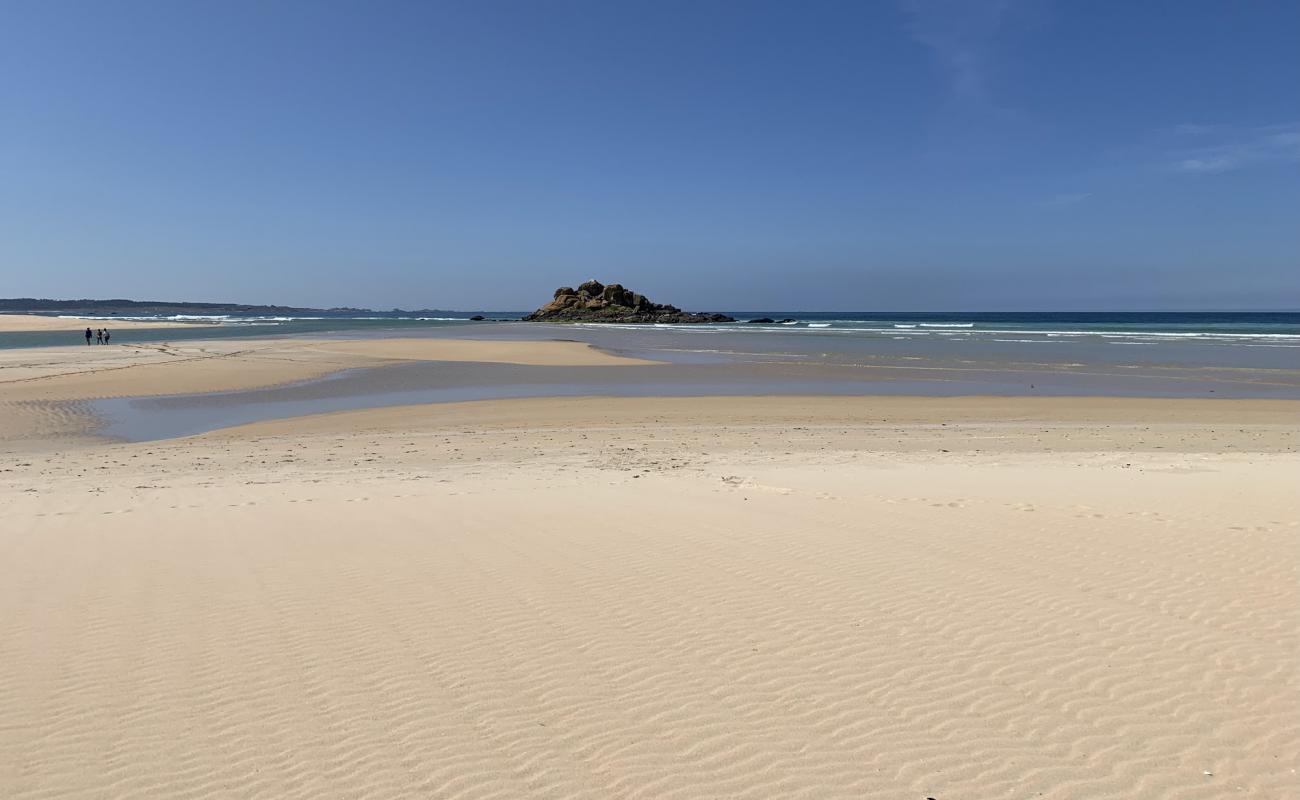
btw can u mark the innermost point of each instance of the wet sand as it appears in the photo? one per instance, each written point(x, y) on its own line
point(150, 391)
point(47, 394)
point(853, 596)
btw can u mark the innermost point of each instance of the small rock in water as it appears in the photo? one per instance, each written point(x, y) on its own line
point(594, 301)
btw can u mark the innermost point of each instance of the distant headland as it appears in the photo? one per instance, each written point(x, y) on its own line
point(26, 305)
point(594, 301)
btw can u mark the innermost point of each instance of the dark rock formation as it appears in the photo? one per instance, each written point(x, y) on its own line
point(477, 318)
point(761, 321)
point(595, 302)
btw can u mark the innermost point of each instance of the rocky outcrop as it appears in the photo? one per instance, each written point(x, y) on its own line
point(593, 301)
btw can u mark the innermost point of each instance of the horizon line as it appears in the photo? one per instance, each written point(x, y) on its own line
point(1195, 310)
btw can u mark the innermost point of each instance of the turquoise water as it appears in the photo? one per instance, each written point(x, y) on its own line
point(1239, 341)
point(1272, 329)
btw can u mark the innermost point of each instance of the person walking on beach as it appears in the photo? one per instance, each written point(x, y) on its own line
point(106, 335)
point(99, 336)
point(87, 337)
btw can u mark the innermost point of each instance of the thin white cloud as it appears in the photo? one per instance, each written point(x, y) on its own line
point(960, 33)
point(1238, 149)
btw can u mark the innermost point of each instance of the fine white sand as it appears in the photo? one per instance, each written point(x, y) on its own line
point(705, 597)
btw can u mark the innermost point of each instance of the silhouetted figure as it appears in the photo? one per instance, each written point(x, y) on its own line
point(106, 335)
point(99, 336)
point(88, 335)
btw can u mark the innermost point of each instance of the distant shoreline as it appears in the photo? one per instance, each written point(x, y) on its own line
point(41, 307)
point(124, 307)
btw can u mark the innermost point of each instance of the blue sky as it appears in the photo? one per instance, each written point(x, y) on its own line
point(910, 155)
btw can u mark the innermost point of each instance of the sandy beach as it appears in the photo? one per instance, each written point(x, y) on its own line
point(884, 597)
point(10, 323)
point(649, 401)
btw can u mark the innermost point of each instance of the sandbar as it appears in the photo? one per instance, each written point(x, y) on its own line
point(40, 322)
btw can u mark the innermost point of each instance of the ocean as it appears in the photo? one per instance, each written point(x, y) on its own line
point(1236, 329)
point(1207, 355)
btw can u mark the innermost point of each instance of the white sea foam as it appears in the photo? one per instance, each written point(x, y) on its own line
point(1106, 334)
point(968, 331)
point(185, 319)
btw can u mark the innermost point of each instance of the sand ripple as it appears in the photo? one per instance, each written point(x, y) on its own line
point(785, 634)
